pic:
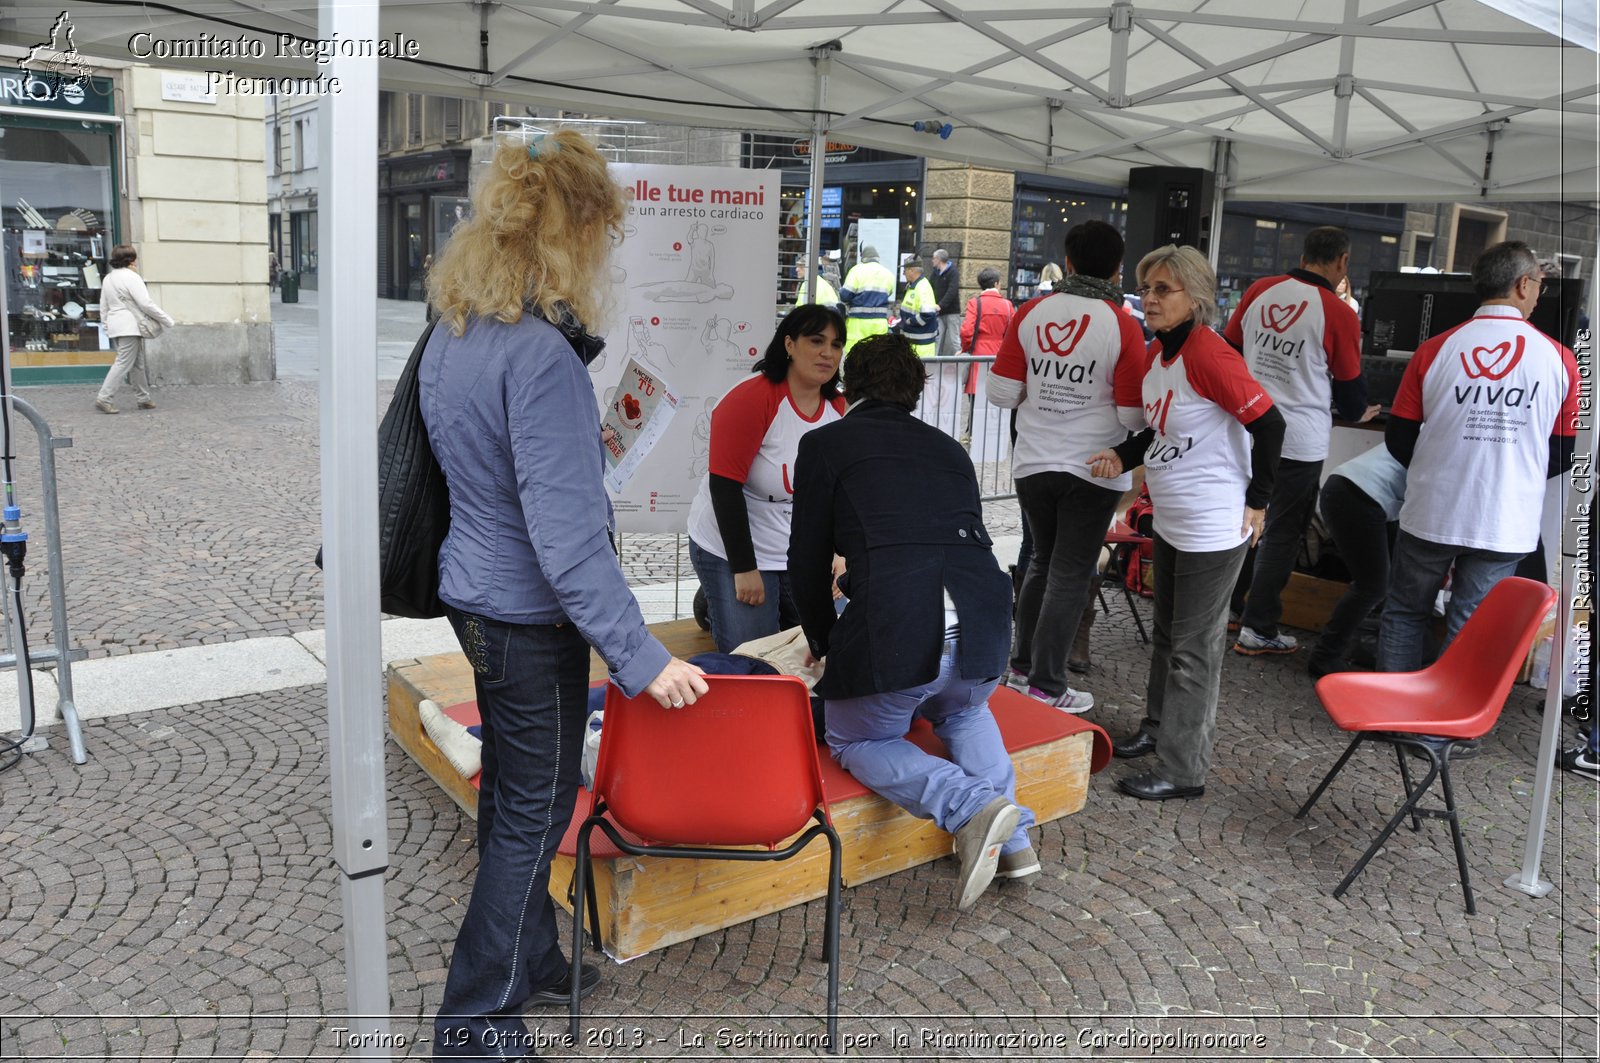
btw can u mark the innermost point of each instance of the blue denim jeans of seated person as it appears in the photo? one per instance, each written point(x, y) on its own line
point(531, 684)
point(732, 622)
point(867, 736)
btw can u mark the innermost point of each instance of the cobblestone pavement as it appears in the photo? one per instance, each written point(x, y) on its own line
point(175, 896)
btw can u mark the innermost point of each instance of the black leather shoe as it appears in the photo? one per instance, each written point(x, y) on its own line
point(560, 993)
point(1139, 744)
point(1152, 787)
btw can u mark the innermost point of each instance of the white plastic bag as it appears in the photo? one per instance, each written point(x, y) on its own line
point(591, 747)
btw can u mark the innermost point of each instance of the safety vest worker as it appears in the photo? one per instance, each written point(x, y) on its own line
point(825, 293)
point(866, 293)
point(919, 311)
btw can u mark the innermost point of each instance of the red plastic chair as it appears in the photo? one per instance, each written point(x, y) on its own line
point(1456, 698)
point(738, 767)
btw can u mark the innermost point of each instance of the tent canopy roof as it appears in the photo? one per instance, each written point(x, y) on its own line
point(1326, 99)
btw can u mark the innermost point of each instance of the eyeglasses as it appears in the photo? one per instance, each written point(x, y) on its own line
point(1160, 291)
point(1540, 278)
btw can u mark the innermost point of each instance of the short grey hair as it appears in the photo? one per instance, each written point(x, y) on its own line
point(1499, 268)
point(1190, 269)
point(941, 255)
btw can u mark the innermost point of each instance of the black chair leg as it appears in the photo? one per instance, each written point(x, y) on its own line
point(1455, 830)
point(1133, 607)
point(1328, 778)
point(580, 893)
point(1405, 778)
point(1410, 803)
point(594, 909)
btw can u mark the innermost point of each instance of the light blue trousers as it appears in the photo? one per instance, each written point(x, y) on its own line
point(867, 735)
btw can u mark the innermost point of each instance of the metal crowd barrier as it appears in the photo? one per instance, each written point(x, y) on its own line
point(984, 429)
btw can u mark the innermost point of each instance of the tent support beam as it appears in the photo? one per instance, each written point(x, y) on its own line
point(822, 62)
point(1400, 121)
point(1344, 85)
point(347, 323)
point(1221, 155)
point(1027, 51)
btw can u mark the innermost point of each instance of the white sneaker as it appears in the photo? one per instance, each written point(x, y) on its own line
point(1015, 681)
point(1073, 701)
point(1253, 645)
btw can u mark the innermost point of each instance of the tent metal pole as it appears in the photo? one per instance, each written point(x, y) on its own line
point(822, 62)
point(1581, 479)
point(347, 326)
point(1221, 153)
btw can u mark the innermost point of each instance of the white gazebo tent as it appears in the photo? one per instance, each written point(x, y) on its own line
point(1338, 100)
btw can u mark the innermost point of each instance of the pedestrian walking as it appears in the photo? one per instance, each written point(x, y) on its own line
point(130, 317)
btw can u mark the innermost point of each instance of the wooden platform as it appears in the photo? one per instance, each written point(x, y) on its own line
point(648, 903)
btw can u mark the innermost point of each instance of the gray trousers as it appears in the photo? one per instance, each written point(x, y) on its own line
point(130, 363)
point(1189, 640)
point(949, 336)
point(1289, 513)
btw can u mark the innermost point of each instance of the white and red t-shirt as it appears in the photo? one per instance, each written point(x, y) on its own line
point(755, 434)
point(1489, 393)
point(1198, 465)
point(1075, 360)
point(1296, 336)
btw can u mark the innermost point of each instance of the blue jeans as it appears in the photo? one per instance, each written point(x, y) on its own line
point(732, 622)
point(531, 682)
point(1415, 574)
point(867, 736)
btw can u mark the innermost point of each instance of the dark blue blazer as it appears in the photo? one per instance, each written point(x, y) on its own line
point(898, 500)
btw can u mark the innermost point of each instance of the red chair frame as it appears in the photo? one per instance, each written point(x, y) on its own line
point(1459, 697)
point(755, 735)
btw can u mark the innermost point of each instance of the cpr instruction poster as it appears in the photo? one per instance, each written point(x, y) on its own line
point(695, 286)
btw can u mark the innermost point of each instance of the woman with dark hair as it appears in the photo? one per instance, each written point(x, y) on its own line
point(739, 523)
point(527, 573)
point(123, 301)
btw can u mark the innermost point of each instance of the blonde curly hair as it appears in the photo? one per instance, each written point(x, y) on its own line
point(541, 232)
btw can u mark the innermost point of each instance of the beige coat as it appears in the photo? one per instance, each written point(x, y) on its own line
point(119, 293)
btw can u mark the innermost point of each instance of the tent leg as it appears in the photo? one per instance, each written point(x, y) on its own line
point(821, 59)
point(1221, 154)
point(348, 324)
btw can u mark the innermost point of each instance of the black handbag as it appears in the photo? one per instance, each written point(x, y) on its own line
point(413, 503)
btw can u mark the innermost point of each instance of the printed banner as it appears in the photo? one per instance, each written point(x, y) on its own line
point(635, 421)
point(695, 285)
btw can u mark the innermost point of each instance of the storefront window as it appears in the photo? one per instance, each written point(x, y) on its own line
point(1042, 220)
point(303, 245)
point(57, 194)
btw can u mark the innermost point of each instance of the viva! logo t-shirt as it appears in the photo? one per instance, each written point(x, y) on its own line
point(1489, 393)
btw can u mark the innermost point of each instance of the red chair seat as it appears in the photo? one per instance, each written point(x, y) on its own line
point(1423, 702)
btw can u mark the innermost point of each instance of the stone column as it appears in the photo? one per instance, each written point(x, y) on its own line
point(973, 207)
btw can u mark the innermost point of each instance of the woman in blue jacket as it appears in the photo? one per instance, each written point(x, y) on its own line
point(528, 572)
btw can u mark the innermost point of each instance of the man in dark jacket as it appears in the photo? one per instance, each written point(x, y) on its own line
point(948, 295)
point(927, 625)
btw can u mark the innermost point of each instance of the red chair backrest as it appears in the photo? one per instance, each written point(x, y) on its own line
point(1483, 661)
point(738, 767)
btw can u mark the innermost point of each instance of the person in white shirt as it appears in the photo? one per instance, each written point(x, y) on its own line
point(1485, 414)
point(1210, 454)
point(1070, 364)
point(124, 300)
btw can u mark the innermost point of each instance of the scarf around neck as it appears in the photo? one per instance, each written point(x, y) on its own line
point(1089, 287)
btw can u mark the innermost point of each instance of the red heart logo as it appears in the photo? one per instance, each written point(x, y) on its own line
point(631, 409)
point(1493, 363)
point(1279, 316)
point(1156, 412)
point(1061, 338)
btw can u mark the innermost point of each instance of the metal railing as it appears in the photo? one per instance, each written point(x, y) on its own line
point(984, 429)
